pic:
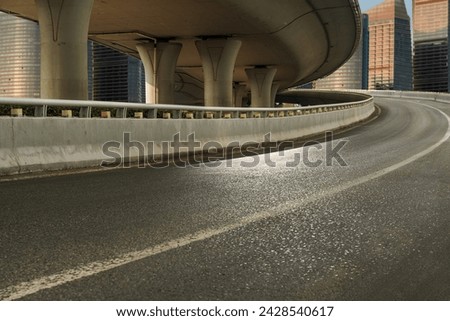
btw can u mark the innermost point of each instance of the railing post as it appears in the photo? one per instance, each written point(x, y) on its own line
point(85, 112)
point(152, 113)
point(121, 113)
point(176, 114)
point(40, 111)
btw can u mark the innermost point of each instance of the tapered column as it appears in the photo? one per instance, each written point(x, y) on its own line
point(160, 62)
point(240, 90)
point(218, 61)
point(64, 34)
point(261, 80)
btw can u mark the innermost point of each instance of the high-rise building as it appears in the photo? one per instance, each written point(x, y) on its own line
point(431, 45)
point(390, 57)
point(354, 73)
point(116, 76)
point(113, 76)
point(20, 57)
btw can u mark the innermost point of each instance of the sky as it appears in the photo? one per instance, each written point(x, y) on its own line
point(367, 4)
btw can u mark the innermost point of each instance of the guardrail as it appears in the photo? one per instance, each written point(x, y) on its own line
point(85, 109)
point(50, 142)
point(420, 95)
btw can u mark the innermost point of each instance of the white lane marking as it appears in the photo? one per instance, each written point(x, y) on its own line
point(26, 288)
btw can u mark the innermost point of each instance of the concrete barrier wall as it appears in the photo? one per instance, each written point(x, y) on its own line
point(37, 144)
point(307, 97)
point(440, 97)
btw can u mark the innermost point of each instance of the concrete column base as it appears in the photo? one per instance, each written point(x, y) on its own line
point(218, 60)
point(159, 74)
point(64, 33)
point(261, 80)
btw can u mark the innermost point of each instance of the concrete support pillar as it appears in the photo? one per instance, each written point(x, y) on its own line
point(160, 62)
point(64, 29)
point(218, 60)
point(261, 80)
point(240, 91)
point(275, 87)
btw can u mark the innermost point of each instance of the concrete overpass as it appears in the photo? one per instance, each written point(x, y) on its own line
point(230, 46)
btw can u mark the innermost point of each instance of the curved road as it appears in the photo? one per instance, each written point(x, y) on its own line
point(375, 229)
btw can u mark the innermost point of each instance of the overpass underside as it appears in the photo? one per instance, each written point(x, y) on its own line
point(196, 51)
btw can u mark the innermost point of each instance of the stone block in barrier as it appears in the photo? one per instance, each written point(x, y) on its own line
point(105, 114)
point(66, 113)
point(16, 112)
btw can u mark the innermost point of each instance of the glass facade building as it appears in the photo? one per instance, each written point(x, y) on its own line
point(390, 56)
point(116, 76)
point(112, 76)
point(20, 57)
point(354, 73)
point(431, 46)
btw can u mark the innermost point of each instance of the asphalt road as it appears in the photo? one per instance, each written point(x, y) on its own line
point(376, 229)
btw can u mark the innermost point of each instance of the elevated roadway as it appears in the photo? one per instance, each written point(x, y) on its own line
point(376, 229)
point(302, 39)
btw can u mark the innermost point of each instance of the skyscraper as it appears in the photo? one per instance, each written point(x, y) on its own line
point(116, 76)
point(353, 74)
point(113, 76)
point(431, 46)
point(390, 59)
point(20, 57)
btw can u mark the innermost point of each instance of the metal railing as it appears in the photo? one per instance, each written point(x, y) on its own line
point(88, 109)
